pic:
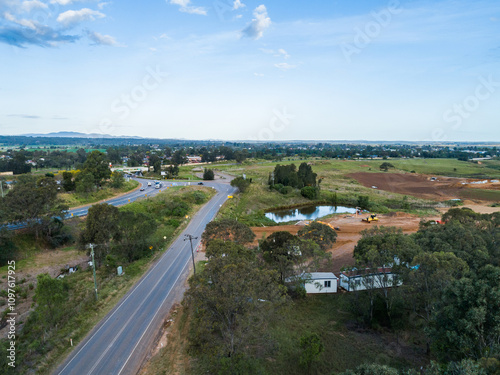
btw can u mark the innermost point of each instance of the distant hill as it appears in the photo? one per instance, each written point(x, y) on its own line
point(75, 135)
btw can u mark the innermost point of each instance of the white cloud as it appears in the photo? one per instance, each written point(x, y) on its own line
point(71, 17)
point(279, 53)
point(184, 6)
point(26, 23)
point(238, 4)
point(283, 53)
point(28, 6)
point(61, 2)
point(259, 74)
point(102, 5)
point(104, 40)
point(285, 66)
point(260, 23)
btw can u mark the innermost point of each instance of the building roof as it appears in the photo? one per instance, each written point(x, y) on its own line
point(367, 272)
point(322, 275)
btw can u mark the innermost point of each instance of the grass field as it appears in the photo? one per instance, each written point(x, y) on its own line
point(75, 200)
point(482, 194)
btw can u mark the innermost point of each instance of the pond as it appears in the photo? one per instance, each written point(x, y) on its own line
point(307, 213)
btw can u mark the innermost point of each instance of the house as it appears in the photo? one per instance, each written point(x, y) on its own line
point(357, 280)
point(321, 282)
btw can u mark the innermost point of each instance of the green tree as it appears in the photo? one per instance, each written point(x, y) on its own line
point(466, 321)
point(306, 176)
point(84, 182)
point(101, 228)
point(136, 230)
point(312, 348)
point(179, 157)
point(385, 166)
point(34, 203)
point(232, 302)
point(97, 164)
point(208, 174)
point(281, 250)
point(155, 162)
point(388, 250)
point(7, 246)
point(51, 296)
point(117, 180)
point(320, 233)
point(364, 202)
point(68, 183)
point(227, 230)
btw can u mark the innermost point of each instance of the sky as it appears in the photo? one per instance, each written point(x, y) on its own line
point(425, 70)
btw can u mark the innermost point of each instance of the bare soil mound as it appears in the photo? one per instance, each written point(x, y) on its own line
point(421, 186)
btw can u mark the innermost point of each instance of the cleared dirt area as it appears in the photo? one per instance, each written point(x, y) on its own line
point(420, 186)
point(349, 233)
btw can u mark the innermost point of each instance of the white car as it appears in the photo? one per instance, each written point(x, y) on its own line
point(149, 183)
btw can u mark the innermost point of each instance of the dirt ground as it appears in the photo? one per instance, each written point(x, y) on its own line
point(349, 233)
point(51, 262)
point(421, 186)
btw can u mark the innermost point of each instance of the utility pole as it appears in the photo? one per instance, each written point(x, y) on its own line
point(93, 267)
point(191, 238)
point(1, 186)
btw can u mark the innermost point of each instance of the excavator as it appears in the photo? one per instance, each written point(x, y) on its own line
point(369, 219)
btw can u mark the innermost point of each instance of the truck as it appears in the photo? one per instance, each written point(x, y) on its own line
point(157, 184)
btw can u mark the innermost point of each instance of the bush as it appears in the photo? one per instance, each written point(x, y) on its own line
point(199, 197)
point(241, 183)
point(309, 192)
point(173, 223)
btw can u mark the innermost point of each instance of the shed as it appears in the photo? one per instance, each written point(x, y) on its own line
point(321, 282)
point(376, 278)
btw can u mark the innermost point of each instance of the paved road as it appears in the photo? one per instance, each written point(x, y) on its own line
point(148, 191)
point(119, 343)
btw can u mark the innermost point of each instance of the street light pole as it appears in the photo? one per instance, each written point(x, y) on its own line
point(191, 238)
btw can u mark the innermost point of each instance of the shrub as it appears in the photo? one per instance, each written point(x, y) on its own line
point(309, 192)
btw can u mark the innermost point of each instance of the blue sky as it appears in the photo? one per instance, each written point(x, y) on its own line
point(257, 70)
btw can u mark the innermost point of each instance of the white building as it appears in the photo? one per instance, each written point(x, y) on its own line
point(321, 282)
point(368, 279)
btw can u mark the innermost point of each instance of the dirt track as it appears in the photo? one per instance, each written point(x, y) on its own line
point(413, 184)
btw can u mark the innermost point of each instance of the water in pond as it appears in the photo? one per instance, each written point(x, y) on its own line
point(307, 213)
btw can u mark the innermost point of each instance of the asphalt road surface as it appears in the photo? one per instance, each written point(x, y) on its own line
point(149, 191)
point(119, 343)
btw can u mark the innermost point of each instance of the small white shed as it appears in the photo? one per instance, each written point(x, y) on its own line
point(321, 282)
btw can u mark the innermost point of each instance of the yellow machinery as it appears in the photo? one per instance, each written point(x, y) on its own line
point(369, 219)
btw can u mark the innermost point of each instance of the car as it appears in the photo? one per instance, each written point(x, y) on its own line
point(142, 189)
point(200, 183)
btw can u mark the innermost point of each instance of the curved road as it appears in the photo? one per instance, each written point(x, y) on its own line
point(119, 343)
point(132, 196)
